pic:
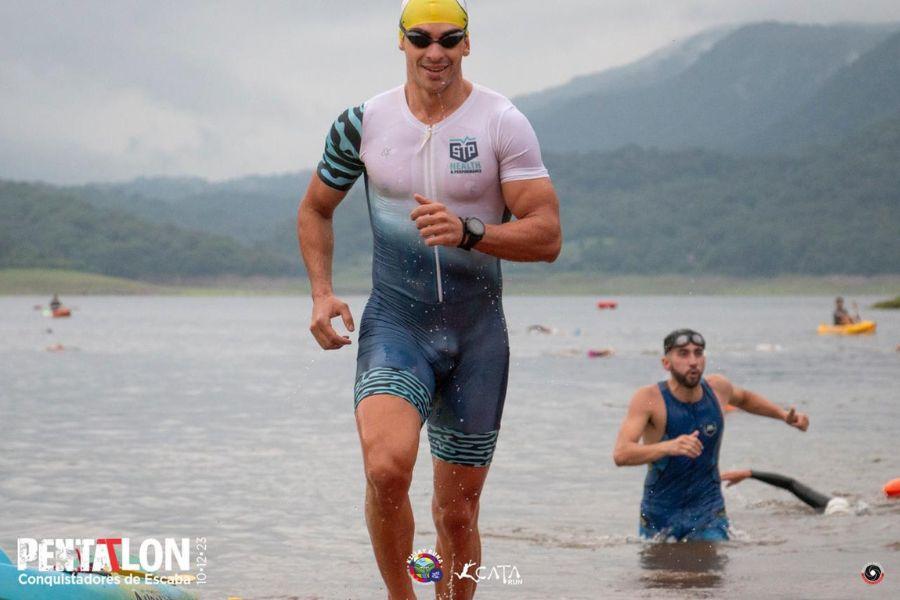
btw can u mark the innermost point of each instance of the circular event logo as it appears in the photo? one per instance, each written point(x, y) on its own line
point(425, 566)
point(872, 573)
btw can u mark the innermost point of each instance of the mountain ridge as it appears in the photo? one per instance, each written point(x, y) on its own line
point(743, 85)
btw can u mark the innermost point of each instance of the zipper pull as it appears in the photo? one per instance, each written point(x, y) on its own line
point(428, 132)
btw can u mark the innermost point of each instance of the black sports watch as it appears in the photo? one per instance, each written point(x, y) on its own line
point(473, 231)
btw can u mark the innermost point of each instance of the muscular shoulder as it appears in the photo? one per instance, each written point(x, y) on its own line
point(721, 386)
point(646, 398)
point(496, 108)
point(372, 110)
point(385, 102)
point(489, 99)
point(513, 140)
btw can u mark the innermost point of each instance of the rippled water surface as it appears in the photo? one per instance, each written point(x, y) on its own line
point(220, 417)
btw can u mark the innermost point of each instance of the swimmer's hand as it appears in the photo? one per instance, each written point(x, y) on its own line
point(685, 445)
point(797, 419)
point(437, 225)
point(325, 308)
point(735, 477)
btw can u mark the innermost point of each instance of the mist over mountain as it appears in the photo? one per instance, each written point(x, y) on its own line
point(864, 92)
point(728, 90)
point(648, 71)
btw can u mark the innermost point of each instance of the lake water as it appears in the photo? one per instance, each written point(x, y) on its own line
point(221, 418)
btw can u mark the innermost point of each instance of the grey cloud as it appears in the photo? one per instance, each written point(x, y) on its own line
point(97, 89)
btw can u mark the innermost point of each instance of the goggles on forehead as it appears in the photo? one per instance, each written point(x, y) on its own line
point(683, 337)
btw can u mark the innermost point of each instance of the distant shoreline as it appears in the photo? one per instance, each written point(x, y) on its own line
point(48, 281)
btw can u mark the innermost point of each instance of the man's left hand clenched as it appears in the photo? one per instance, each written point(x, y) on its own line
point(437, 225)
point(797, 419)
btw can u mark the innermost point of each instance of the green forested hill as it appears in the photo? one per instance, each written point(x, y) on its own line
point(634, 210)
point(42, 226)
point(251, 210)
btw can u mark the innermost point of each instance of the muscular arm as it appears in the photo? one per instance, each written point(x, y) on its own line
point(629, 451)
point(316, 236)
point(756, 404)
point(535, 234)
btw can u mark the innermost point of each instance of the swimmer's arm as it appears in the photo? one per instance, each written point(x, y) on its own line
point(535, 234)
point(756, 404)
point(630, 452)
point(806, 494)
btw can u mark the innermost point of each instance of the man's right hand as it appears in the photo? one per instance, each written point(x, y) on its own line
point(325, 308)
point(685, 445)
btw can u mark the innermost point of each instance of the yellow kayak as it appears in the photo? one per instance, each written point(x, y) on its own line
point(851, 329)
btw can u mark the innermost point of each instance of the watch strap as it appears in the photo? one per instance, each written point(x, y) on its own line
point(465, 235)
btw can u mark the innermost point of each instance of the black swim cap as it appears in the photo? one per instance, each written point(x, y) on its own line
point(682, 337)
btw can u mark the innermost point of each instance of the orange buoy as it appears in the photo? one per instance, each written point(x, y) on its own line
point(607, 304)
point(892, 488)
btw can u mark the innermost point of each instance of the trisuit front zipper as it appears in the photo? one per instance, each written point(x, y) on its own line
point(431, 191)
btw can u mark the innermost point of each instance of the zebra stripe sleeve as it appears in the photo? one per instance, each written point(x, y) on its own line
point(341, 166)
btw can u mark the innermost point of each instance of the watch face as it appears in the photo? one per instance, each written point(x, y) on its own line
point(475, 226)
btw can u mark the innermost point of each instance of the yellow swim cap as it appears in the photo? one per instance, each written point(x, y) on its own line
point(417, 12)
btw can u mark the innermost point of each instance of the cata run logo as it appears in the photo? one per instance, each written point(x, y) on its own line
point(425, 566)
point(506, 574)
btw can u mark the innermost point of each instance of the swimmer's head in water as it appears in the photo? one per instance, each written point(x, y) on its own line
point(684, 356)
point(838, 506)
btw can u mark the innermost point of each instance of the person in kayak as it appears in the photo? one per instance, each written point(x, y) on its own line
point(447, 164)
point(841, 315)
point(55, 303)
point(681, 423)
point(817, 500)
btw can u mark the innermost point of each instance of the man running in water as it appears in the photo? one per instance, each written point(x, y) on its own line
point(681, 423)
point(446, 164)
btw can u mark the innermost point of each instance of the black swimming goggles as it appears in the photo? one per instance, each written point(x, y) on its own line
point(420, 39)
point(682, 337)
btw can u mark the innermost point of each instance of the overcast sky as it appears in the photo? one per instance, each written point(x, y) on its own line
point(97, 90)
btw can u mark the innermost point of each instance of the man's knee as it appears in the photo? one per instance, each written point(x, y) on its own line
point(389, 474)
point(455, 517)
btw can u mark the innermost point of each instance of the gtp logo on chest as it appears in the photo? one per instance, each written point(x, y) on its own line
point(463, 152)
